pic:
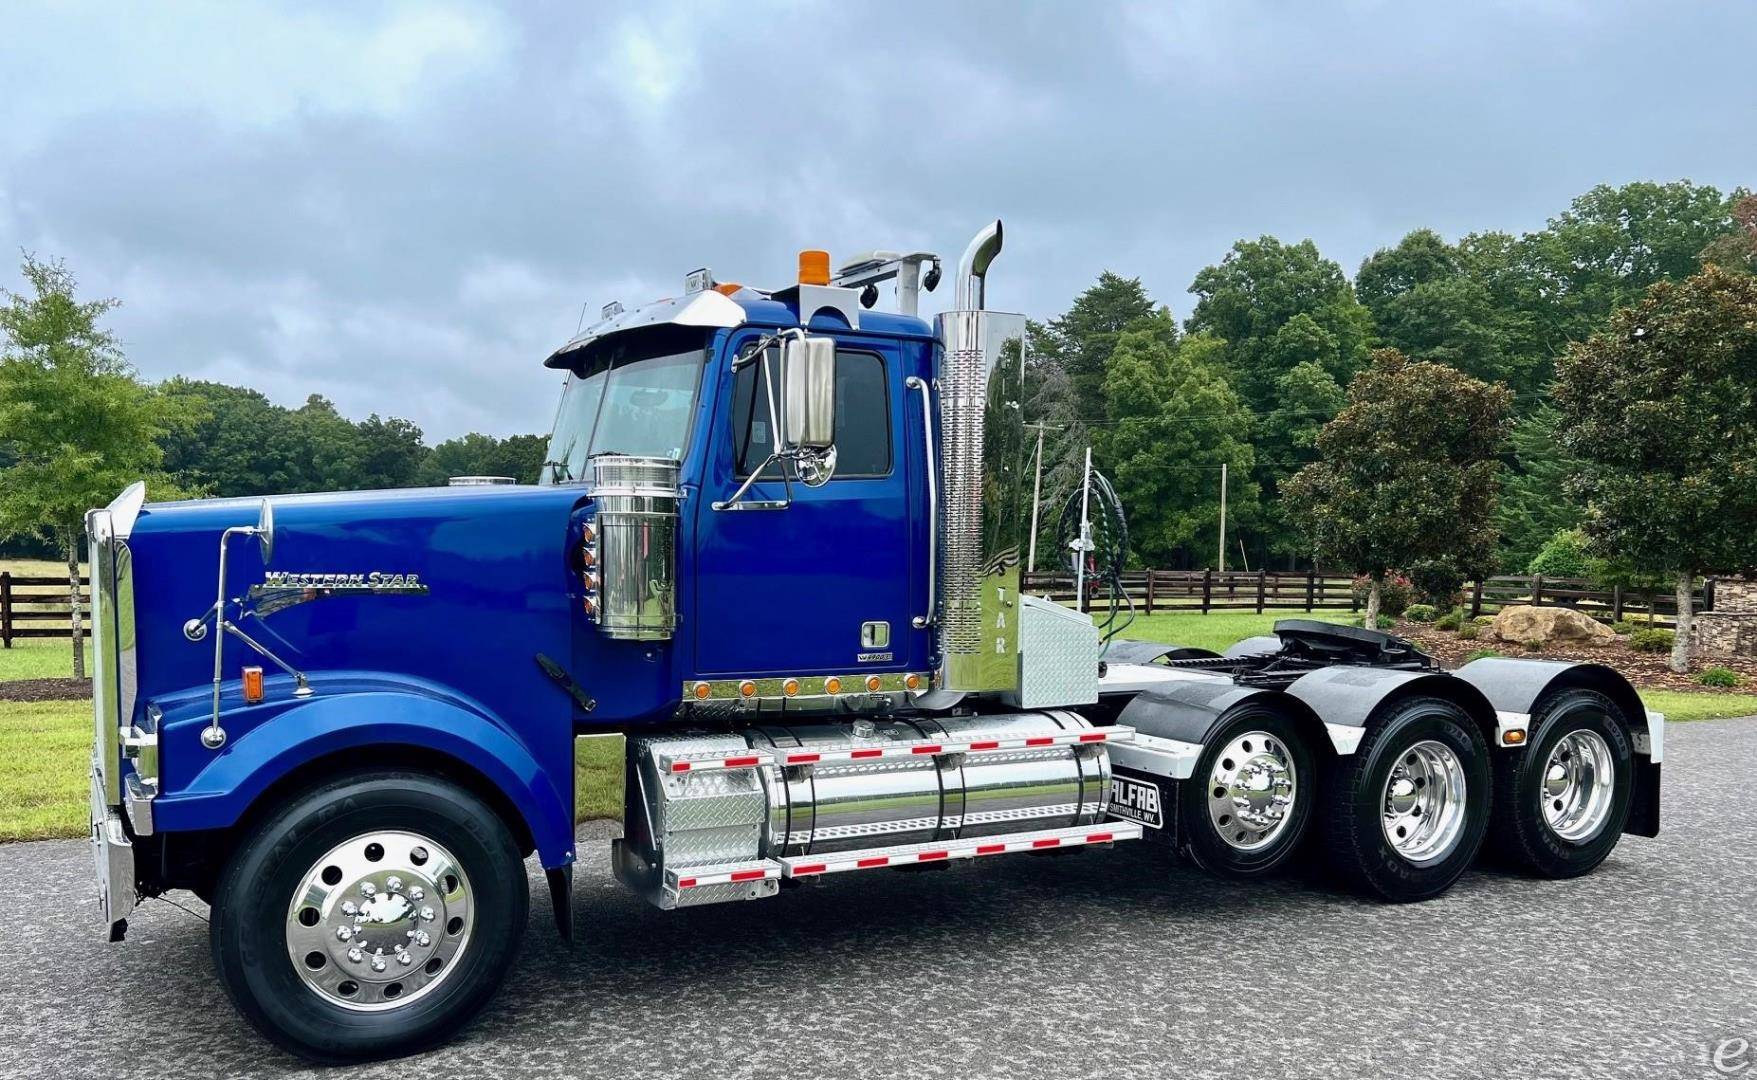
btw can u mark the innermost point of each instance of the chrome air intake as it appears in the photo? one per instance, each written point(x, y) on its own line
point(982, 461)
point(630, 553)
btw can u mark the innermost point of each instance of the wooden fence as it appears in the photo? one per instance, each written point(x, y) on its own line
point(36, 607)
point(1159, 591)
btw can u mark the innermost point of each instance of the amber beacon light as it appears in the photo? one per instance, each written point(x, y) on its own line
point(814, 268)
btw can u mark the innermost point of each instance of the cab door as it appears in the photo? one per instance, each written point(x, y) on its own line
point(826, 585)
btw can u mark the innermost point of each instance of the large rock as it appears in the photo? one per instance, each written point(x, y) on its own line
point(1524, 624)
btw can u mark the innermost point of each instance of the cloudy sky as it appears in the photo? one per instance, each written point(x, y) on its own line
point(404, 206)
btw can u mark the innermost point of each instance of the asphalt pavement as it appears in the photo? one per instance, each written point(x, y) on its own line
point(1094, 964)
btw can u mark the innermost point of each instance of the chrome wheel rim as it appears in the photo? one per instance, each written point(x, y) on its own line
point(1251, 790)
point(1424, 803)
point(379, 921)
point(1578, 782)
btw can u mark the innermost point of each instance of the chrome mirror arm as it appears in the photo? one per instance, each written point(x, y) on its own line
point(760, 354)
point(302, 687)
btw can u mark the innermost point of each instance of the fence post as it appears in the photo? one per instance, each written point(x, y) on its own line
point(1476, 599)
point(1311, 587)
point(6, 608)
point(1537, 590)
point(1260, 582)
point(1707, 594)
point(1150, 573)
point(1616, 603)
point(1353, 596)
point(1207, 589)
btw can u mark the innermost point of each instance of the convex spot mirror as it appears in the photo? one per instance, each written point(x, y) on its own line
point(265, 531)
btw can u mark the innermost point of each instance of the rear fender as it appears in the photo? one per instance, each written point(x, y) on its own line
point(1173, 722)
point(1347, 698)
point(226, 786)
point(1518, 688)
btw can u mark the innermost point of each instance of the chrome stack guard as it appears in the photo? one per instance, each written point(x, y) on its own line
point(113, 692)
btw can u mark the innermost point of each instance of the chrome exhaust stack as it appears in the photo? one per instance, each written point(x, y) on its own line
point(982, 462)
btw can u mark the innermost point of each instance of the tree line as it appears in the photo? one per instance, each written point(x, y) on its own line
point(1575, 399)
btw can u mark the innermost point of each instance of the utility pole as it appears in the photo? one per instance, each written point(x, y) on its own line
point(1084, 544)
point(1036, 496)
point(1223, 517)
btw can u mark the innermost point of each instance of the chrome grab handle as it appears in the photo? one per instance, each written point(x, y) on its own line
point(915, 382)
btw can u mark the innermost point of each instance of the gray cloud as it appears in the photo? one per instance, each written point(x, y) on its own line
point(404, 207)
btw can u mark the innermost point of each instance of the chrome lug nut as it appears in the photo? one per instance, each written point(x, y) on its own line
point(405, 959)
point(394, 884)
point(368, 890)
point(348, 908)
point(355, 956)
point(343, 933)
point(417, 894)
point(422, 939)
point(426, 914)
point(378, 963)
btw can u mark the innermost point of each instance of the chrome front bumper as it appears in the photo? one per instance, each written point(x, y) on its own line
point(113, 856)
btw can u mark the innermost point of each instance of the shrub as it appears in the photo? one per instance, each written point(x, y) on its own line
point(1651, 640)
point(1718, 676)
point(1533, 644)
point(1386, 622)
point(1484, 620)
point(1452, 620)
point(1395, 593)
point(1419, 613)
point(1563, 555)
point(1469, 632)
point(1438, 583)
point(1624, 627)
point(1479, 654)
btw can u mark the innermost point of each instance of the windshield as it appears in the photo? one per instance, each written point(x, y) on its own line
point(636, 399)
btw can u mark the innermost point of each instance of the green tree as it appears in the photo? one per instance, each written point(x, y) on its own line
point(1173, 421)
point(1081, 340)
point(1426, 302)
point(517, 456)
point(1534, 504)
point(1662, 411)
point(1277, 307)
point(1736, 251)
point(1407, 474)
point(77, 425)
point(391, 452)
point(240, 444)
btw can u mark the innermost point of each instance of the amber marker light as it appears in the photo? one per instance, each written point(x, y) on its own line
point(747, 689)
point(252, 679)
point(1513, 738)
point(832, 685)
point(913, 681)
point(790, 687)
point(814, 268)
point(873, 683)
point(701, 691)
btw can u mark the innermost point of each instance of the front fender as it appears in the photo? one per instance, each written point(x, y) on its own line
point(225, 787)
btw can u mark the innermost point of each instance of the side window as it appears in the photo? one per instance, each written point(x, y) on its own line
point(863, 418)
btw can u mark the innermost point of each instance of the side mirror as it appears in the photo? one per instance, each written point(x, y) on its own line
point(265, 531)
point(808, 393)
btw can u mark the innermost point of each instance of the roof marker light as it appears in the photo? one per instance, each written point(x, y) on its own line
point(814, 267)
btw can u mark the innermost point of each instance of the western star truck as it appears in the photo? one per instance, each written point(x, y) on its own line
point(777, 548)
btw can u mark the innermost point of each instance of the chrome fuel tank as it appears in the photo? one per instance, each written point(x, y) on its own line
point(847, 805)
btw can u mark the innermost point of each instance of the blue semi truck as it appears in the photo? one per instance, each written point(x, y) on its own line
point(776, 546)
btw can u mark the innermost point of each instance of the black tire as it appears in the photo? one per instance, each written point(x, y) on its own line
point(1354, 827)
point(1521, 833)
point(1201, 808)
point(250, 918)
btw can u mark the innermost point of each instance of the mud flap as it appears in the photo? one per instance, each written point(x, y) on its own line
point(1149, 801)
point(561, 899)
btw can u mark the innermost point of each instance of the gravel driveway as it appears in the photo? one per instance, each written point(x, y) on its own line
point(1088, 964)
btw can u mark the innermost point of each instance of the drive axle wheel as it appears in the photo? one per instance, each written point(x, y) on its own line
point(1405, 814)
point(1249, 801)
point(1560, 804)
point(368, 917)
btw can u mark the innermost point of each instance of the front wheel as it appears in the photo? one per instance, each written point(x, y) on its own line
point(369, 917)
point(1560, 804)
point(1406, 813)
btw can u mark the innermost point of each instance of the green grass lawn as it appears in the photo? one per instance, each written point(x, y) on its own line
point(45, 746)
point(37, 658)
